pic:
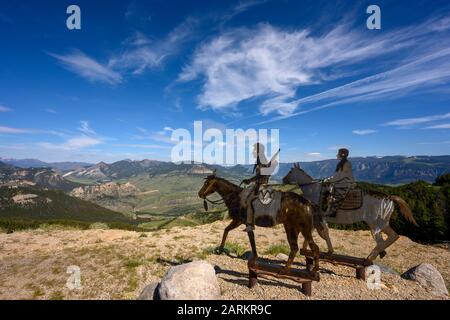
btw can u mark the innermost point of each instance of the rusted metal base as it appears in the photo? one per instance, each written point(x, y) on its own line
point(304, 277)
point(359, 264)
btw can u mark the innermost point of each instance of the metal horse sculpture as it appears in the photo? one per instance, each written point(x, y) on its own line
point(295, 213)
point(376, 211)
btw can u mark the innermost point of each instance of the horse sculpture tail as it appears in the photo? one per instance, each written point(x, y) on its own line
point(404, 209)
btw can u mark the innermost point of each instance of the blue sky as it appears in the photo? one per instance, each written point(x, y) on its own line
point(138, 69)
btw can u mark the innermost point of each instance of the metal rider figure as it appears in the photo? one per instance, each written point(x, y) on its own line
point(342, 181)
point(260, 178)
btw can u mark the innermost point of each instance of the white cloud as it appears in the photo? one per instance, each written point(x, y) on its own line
point(4, 109)
point(137, 54)
point(50, 110)
point(142, 146)
point(434, 143)
point(272, 64)
point(142, 54)
point(74, 143)
point(88, 68)
point(163, 135)
point(440, 126)
point(363, 132)
point(415, 121)
point(241, 7)
point(429, 70)
point(86, 129)
point(314, 154)
point(10, 130)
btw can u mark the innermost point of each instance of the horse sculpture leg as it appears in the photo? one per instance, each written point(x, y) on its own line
point(314, 248)
point(251, 238)
point(324, 233)
point(292, 236)
point(378, 248)
point(233, 225)
point(382, 245)
point(392, 237)
point(252, 260)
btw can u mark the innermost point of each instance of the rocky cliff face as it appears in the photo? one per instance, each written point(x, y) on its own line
point(41, 177)
point(106, 190)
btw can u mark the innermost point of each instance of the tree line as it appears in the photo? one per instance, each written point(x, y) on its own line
point(430, 206)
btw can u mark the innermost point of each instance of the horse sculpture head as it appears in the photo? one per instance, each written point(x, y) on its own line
point(297, 176)
point(208, 186)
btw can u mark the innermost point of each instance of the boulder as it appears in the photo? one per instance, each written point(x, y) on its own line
point(149, 292)
point(429, 277)
point(191, 281)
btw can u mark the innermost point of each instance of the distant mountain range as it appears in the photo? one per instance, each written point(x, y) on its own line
point(160, 189)
point(34, 163)
point(383, 170)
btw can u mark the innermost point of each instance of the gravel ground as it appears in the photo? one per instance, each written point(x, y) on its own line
point(118, 264)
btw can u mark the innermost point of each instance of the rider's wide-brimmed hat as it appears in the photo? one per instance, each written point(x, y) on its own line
point(343, 152)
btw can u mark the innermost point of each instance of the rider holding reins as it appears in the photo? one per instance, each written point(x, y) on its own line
point(342, 181)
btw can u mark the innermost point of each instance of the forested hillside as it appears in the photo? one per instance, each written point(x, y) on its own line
point(429, 204)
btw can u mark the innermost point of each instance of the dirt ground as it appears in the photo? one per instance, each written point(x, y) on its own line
point(116, 264)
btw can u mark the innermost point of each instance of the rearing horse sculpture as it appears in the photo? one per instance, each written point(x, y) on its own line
point(295, 213)
point(376, 211)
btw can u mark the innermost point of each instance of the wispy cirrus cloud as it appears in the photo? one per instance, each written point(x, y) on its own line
point(141, 146)
point(136, 54)
point(14, 130)
point(434, 143)
point(74, 143)
point(241, 7)
point(10, 130)
point(88, 68)
point(439, 126)
point(4, 109)
point(430, 70)
point(364, 132)
point(415, 121)
point(163, 135)
point(272, 64)
point(85, 128)
point(142, 53)
point(51, 110)
point(88, 138)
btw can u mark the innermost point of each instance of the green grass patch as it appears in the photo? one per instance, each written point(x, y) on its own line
point(132, 263)
point(236, 248)
point(278, 248)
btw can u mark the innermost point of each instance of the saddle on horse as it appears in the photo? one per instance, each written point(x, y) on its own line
point(266, 206)
point(351, 199)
